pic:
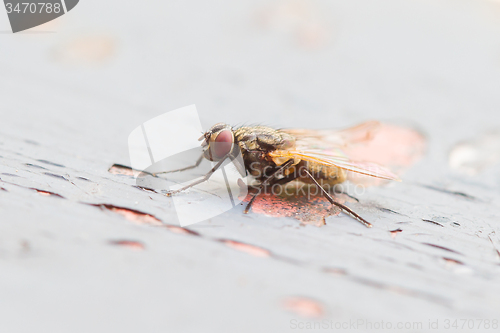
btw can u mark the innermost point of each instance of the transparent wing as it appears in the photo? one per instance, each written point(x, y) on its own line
point(331, 141)
point(336, 160)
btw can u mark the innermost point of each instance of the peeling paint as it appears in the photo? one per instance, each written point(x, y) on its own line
point(247, 248)
point(128, 243)
point(392, 146)
point(297, 201)
point(132, 214)
point(304, 306)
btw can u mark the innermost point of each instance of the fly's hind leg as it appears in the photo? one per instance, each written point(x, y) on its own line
point(333, 202)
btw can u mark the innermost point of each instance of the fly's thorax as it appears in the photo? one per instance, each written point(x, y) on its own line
point(255, 142)
point(263, 138)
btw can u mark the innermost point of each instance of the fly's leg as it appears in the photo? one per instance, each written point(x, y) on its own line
point(266, 182)
point(286, 179)
point(203, 179)
point(198, 162)
point(333, 202)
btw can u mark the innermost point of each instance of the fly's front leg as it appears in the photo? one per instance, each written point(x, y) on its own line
point(203, 179)
point(198, 162)
point(333, 202)
point(266, 182)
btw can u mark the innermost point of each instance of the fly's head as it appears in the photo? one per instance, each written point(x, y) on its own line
point(218, 141)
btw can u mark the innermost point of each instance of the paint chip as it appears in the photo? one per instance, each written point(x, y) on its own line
point(247, 248)
point(133, 215)
point(302, 202)
point(395, 232)
point(118, 169)
point(87, 50)
point(128, 243)
point(304, 307)
point(181, 230)
point(47, 193)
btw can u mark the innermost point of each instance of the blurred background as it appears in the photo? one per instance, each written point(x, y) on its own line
point(73, 89)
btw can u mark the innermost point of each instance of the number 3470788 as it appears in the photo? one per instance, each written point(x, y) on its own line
point(27, 7)
point(471, 324)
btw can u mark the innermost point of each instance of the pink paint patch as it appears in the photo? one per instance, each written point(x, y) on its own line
point(87, 50)
point(44, 193)
point(180, 230)
point(135, 216)
point(303, 203)
point(47, 193)
point(304, 307)
point(247, 248)
point(128, 243)
point(117, 169)
point(391, 146)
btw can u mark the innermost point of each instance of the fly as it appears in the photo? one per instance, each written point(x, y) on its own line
point(278, 156)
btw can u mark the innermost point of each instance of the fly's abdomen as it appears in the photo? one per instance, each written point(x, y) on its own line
point(325, 175)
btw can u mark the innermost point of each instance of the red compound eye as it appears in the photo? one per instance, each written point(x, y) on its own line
point(222, 144)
